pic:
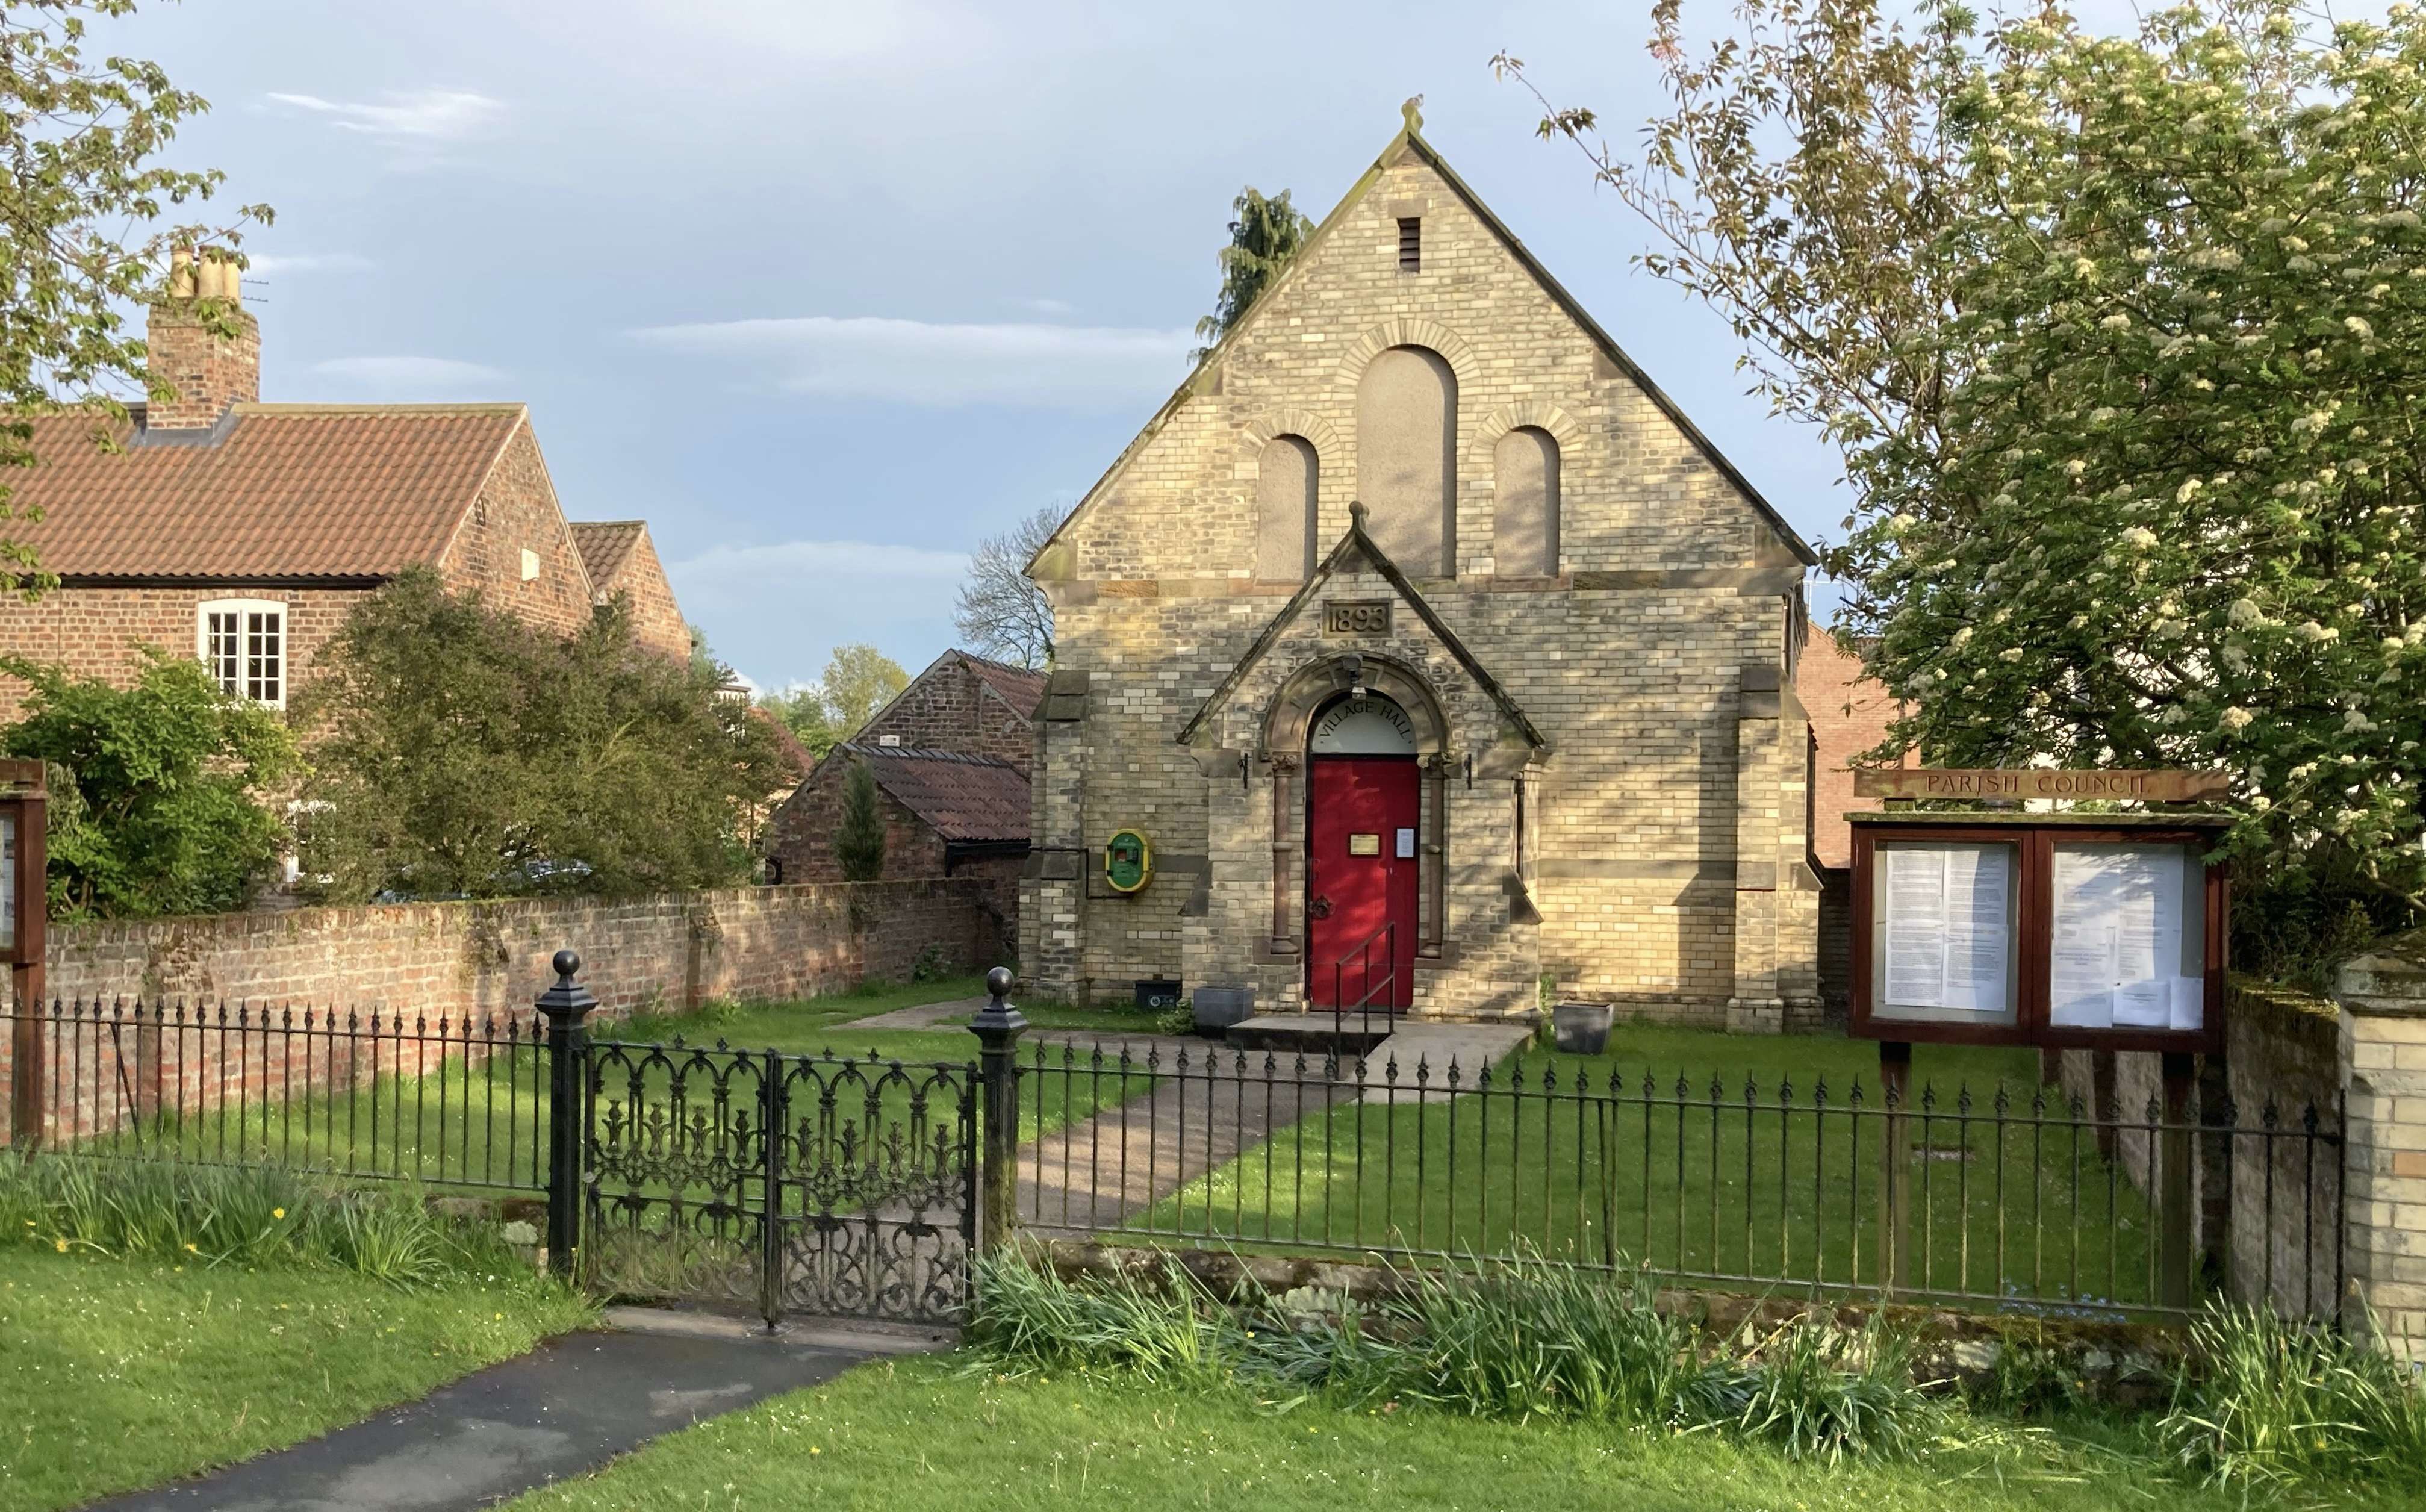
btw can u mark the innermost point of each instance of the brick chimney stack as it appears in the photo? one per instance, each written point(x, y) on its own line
point(208, 372)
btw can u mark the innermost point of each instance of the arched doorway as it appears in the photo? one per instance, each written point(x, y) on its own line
point(1364, 871)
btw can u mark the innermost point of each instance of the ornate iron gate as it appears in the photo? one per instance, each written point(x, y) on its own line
point(809, 1184)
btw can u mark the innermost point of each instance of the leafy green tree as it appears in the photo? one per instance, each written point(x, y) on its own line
point(2131, 374)
point(85, 208)
point(859, 840)
point(158, 791)
point(1264, 235)
point(859, 681)
point(802, 710)
point(457, 751)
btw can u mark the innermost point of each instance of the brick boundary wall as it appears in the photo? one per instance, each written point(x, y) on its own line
point(484, 962)
point(666, 951)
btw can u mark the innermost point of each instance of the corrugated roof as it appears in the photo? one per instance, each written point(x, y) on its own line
point(1020, 688)
point(274, 490)
point(605, 545)
point(960, 797)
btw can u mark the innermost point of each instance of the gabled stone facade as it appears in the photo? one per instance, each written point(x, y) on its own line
point(1592, 634)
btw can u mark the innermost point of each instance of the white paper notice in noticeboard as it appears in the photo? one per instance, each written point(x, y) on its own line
point(1947, 917)
point(2117, 946)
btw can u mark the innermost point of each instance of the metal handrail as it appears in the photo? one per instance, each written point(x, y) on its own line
point(1362, 955)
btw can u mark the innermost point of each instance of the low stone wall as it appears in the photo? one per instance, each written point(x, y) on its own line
point(669, 951)
point(2279, 1064)
point(2129, 1364)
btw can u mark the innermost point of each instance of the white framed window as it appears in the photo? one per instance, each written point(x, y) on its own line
point(243, 642)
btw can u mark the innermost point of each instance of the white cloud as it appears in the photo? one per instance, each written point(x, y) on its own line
point(1053, 307)
point(268, 264)
point(416, 116)
point(422, 377)
point(915, 362)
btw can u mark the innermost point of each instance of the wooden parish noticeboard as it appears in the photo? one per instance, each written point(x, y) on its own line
point(2040, 782)
point(2092, 931)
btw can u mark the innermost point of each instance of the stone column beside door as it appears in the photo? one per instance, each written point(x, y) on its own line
point(2383, 999)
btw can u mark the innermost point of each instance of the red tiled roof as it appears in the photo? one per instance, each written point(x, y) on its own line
point(274, 490)
point(960, 797)
point(1021, 689)
point(604, 546)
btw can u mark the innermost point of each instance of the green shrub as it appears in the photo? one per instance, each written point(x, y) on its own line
point(2266, 1401)
point(217, 1215)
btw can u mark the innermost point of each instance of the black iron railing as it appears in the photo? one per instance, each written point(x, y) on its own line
point(1385, 986)
point(2008, 1198)
point(448, 1101)
point(818, 1184)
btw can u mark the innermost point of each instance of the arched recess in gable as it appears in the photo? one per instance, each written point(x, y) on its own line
point(1409, 330)
point(1406, 458)
point(1290, 451)
point(1535, 414)
point(1263, 428)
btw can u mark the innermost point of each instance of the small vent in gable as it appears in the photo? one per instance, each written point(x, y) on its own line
point(1411, 244)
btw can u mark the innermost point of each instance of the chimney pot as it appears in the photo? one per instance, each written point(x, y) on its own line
point(208, 372)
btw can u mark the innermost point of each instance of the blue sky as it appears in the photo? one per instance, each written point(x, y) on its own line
point(826, 292)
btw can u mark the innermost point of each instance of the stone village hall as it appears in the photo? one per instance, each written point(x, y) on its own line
point(1434, 654)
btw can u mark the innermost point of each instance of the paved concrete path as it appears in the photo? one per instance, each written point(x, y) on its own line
point(1436, 1047)
point(561, 1411)
point(922, 1015)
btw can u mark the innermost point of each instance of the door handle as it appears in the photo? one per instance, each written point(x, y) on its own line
point(1320, 908)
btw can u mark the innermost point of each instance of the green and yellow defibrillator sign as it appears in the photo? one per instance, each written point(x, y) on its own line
point(1128, 861)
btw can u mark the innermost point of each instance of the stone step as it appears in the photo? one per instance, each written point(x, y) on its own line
point(1312, 1034)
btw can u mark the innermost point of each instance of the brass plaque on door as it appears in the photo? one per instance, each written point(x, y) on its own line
point(1364, 844)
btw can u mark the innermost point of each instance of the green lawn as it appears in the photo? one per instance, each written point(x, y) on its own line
point(118, 1375)
point(917, 1433)
point(1683, 1170)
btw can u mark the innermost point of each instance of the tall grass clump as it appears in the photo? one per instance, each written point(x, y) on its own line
point(1814, 1391)
point(1532, 1338)
point(1162, 1328)
point(2263, 1400)
point(1520, 1339)
point(239, 1215)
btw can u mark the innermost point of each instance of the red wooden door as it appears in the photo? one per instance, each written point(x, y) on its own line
point(1361, 878)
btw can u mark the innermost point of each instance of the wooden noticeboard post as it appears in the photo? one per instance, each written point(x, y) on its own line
point(25, 908)
point(2050, 930)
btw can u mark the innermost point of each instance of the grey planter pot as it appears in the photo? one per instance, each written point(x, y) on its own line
point(1583, 1028)
point(1217, 1008)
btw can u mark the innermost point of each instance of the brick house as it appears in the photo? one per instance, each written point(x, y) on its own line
point(1848, 714)
point(951, 755)
point(243, 532)
point(1420, 622)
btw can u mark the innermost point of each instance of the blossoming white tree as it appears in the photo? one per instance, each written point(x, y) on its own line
point(2124, 342)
